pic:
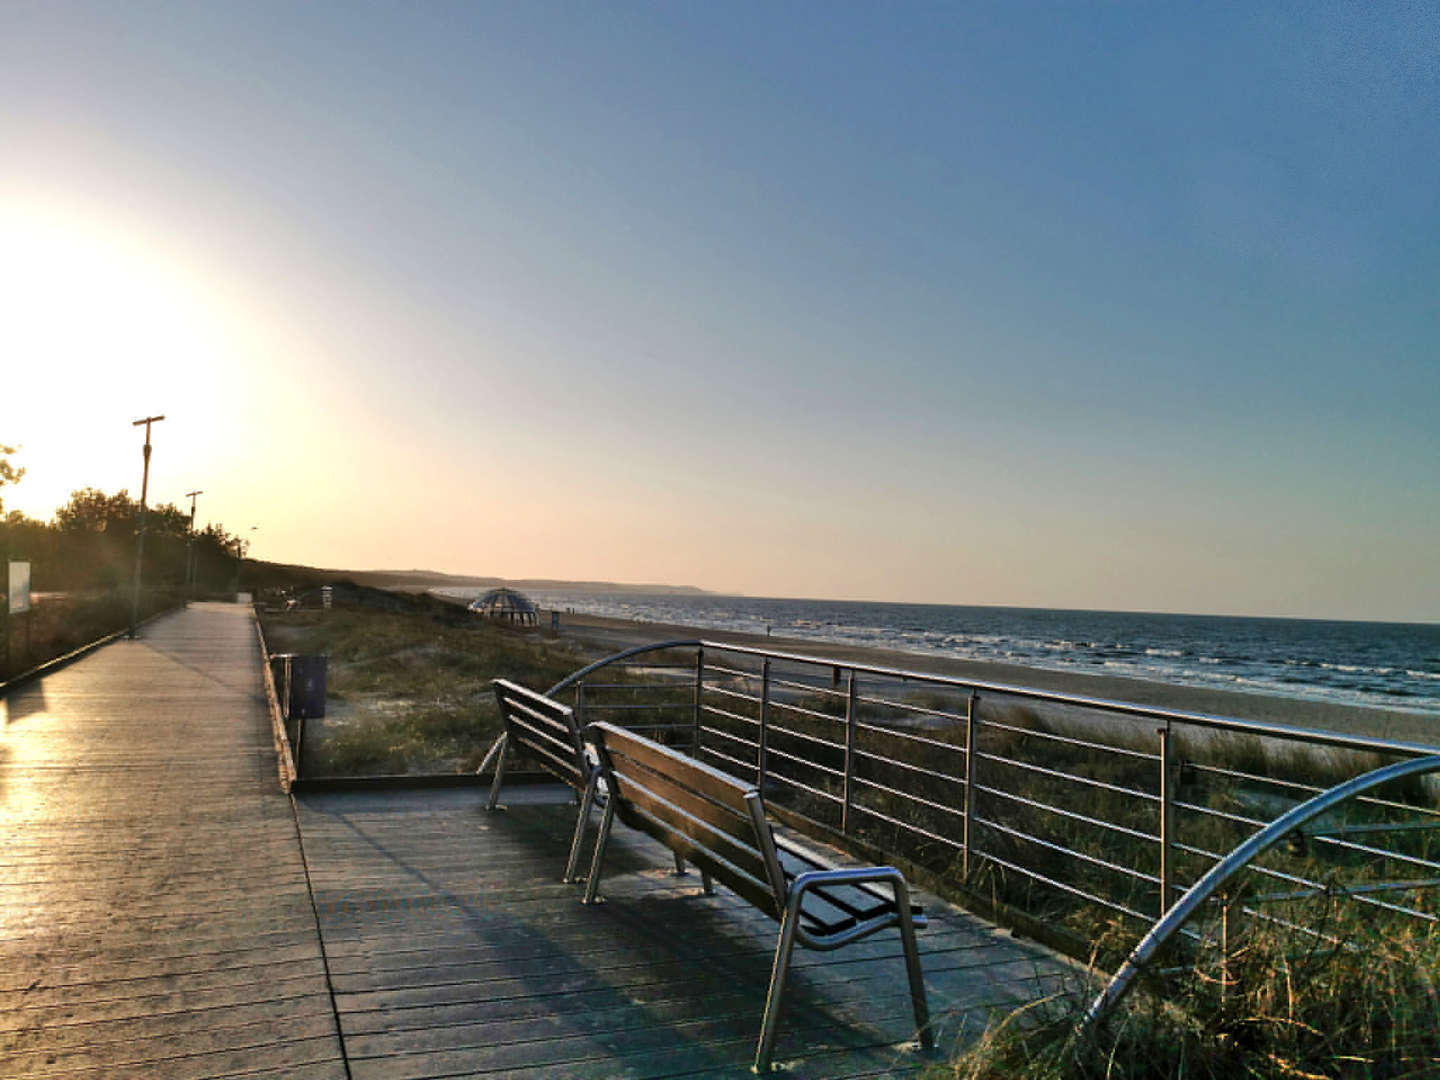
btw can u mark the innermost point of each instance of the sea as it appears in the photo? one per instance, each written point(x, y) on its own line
point(1384, 665)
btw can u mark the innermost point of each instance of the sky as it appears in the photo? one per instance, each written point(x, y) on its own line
point(1085, 305)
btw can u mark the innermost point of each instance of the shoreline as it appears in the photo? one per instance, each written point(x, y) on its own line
point(611, 635)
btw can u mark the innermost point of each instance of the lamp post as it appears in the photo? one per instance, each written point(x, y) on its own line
point(140, 535)
point(190, 545)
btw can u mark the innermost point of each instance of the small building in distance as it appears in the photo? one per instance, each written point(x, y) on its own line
point(507, 604)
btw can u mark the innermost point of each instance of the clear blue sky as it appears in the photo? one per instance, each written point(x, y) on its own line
point(1085, 305)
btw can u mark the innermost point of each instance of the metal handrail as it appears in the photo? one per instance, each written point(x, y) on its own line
point(625, 654)
point(1124, 708)
point(1237, 860)
point(846, 771)
point(1317, 736)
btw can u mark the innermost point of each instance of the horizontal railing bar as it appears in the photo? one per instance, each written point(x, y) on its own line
point(1373, 852)
point(1296, 879)
point(1273, 781)
point(774, 729)
point(931, 773)
point(1070, 740)
point(715, 711)
point(770, 751)
point(678, 684)
point(707, 730)
point(805, 687)
point(910, 798)
point(1349, 890)
point(790, 781)
point(1070, 814)
point(721, 691)
point(633, 706)
point(625, 654)
point(1121, 708)
point(917, 710)
point(776, 705)
point(1394, 826)
point(907, 826)
point(1035, 875)
point(1093, 860)
point(1318, 838)
point(733, 672)
point(726, 757)
point(1057, 774)
point(912, 736)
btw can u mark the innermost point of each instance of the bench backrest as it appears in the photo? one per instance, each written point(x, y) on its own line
point(708, 818)
point(546, 729)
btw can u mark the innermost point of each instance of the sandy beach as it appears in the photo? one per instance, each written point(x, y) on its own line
point(602, 636)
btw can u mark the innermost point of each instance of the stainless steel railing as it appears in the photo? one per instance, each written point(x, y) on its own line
point(1066, 810)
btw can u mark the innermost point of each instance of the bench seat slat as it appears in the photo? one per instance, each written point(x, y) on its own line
point(551, 760)
point(520, 712)
point(731, 817)
point(712, 783)
point(743, 885)
point(687, 822)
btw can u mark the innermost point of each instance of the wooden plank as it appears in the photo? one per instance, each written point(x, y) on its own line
point(137, 936)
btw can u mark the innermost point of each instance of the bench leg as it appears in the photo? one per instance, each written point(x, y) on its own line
point(679, 865)
point(580, 823)
point(769, 1026)
point(503, 743)
point(592, 887)
point(912, 965)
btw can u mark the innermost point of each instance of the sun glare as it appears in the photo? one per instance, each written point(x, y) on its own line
point(98, 323)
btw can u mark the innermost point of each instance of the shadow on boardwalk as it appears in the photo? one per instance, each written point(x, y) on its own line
point(455, 950)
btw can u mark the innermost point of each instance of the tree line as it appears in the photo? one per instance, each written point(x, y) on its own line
point(90, 543)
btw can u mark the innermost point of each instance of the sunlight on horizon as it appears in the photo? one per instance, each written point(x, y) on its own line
point(105, 324)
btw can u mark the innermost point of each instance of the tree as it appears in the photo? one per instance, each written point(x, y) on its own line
point(9, 474)
point(91, 510)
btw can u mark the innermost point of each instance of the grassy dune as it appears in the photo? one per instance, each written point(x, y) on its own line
point(409, 691)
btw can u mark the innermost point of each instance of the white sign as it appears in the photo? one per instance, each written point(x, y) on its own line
point(19, 587)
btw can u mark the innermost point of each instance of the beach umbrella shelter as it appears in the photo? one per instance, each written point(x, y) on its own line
point(507, 604)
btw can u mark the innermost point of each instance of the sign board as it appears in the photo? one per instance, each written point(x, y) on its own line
point(19, 587)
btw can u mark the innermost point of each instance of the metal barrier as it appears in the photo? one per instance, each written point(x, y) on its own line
point(1071, 812)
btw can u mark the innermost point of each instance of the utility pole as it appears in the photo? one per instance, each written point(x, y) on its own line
point(140, 536)
point(190, 545)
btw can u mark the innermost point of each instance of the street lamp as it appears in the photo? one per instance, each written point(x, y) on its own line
point(140, 536)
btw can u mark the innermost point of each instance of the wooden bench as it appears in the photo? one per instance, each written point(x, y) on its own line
point(719, 824)
point(547, 730)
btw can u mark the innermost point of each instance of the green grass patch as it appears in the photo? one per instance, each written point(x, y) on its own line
point(409, 692)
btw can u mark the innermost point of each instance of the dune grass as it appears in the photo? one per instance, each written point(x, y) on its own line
point(1282, 1005)
point(409, 692)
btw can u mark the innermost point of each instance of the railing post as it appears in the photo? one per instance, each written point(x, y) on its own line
point(1167, 799)
point(1224, 951)
point(972, 721)
point(852, 716)
point(699, 701)
point(760, 751)
point(580, 705)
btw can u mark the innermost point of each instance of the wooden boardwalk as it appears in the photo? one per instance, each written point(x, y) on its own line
point(154, 915)
point(456, 951)
point(157, 919)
